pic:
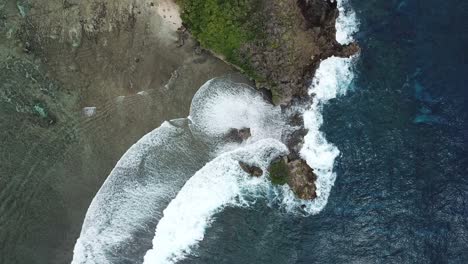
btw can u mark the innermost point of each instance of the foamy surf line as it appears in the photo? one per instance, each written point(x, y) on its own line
point(158, 166)
point(189, 214)
point(219, 184)
point(332, 79)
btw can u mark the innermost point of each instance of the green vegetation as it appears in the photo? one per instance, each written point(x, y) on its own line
point(279, 172)
point(222, 26)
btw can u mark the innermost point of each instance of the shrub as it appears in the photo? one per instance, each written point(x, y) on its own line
point(222, 26)
point(279, 172)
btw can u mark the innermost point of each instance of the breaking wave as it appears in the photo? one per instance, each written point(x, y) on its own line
point(120, 222)
point(346, 23)
point(123, 215)
point(219, 184)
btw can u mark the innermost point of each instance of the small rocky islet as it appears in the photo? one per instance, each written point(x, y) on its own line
point(284, 170)
point(279, 45)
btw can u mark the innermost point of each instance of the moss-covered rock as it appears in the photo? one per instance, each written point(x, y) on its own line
point(297, 174)
point(279, 172)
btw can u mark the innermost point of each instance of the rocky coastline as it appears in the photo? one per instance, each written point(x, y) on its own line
point(280, 46)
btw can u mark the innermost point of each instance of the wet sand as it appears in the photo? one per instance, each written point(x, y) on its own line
point(81, 81)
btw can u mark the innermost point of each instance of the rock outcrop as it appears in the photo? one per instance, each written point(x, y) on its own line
point(238, 135)
point(294, 142)
point(251, 169)
point(297, 174)
point(302, 179)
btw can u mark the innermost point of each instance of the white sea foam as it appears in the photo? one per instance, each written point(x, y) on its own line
point(135, 193)
point(346, 23)
point(221, 104)
point(153, 170)
point(218, 106)
point(220, 183)
point(332, 79)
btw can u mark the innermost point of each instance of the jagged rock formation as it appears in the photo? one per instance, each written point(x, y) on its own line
point(251, 169)
point(299, 34)
point(297, 174)
point(238, 135)
point(302, 179)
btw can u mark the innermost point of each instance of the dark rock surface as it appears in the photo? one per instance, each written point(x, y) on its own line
point(299, 34)
point(302, 179)
point(251, 169)
point(297, 174)
point(288, 40)
point(238, 135)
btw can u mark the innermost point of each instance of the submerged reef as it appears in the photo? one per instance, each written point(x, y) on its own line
point(279, 44)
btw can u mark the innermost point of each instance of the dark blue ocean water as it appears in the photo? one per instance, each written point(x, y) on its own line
point(402, 191)
point(401, 195)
